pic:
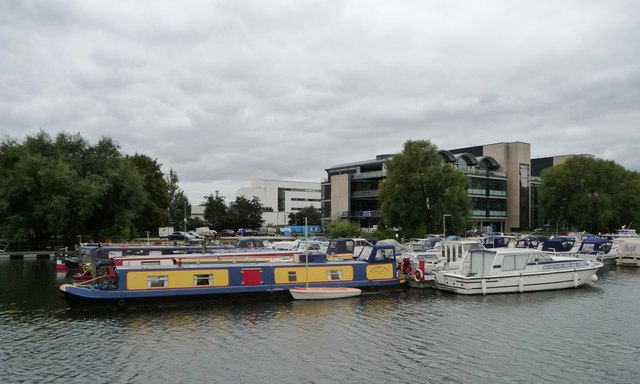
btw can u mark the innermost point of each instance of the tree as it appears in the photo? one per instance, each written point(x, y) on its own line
point(311, 213)
point(420, 188)
point(65, 187)
point(179, 207)
point(589, 194)
point(343, 228)
point(154, 213)
point(215, 211)
point(245, 213)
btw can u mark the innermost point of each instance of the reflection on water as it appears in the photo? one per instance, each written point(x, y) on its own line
point(584, 335)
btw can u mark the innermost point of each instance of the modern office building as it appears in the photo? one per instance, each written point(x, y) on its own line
point(280, 198)
point(503, 182)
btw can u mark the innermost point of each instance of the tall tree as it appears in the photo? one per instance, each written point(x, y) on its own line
point(245, 213)
point(420, 188)
point(66, 187)
point(311, 213)
point(179, 207)
point(154, 213)
point(215, 211)
point(589, 194)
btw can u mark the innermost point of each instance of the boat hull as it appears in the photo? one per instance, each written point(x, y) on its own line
point(628, 261)
point(324, 293)
point(177, 283)
point(80, 299)
point(517, 283)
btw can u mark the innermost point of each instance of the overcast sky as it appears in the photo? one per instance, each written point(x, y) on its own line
point(224, 92)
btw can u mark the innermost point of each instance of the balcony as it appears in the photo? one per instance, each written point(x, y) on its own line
point(359, 214)
point(483, 213)
point(369, 175)
point(483, 192)
point(361, 194)
point(482, 172)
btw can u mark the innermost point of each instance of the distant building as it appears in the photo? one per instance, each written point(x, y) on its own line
point(503, 181)
point(280, 198)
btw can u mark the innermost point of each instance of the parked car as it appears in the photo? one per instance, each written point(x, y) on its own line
point(246, 232)
point(227, 232)
point(184, 236)
point(196, 235)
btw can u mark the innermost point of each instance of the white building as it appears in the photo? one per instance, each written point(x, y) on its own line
point(281, 197)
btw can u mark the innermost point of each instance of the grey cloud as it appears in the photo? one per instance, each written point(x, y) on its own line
point(223, 92)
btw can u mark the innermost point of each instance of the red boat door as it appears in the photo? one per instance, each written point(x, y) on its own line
point(251, 276)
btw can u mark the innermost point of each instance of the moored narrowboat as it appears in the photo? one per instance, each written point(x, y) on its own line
point(140, 285)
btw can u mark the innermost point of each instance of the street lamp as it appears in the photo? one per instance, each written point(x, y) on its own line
point(185, 215)
point(444, 224)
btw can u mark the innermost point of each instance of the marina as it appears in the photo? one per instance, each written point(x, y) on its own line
point(572, 335)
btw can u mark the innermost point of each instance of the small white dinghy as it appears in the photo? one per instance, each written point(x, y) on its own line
point(317, 293)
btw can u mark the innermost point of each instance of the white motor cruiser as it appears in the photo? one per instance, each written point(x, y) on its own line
point(503, 270)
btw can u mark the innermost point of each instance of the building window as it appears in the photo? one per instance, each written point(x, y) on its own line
point(157, 281)
point(202, 280)
point(524, 175)
point(293, 276)
point(334, 274)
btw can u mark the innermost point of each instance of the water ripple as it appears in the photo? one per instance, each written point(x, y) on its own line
point(583, 335)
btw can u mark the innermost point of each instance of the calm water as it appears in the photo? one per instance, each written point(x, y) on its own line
point(585, 335)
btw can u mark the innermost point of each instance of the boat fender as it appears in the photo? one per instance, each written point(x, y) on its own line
point(418, 275)
point(121, 303)
point(521, 285)
point(483, 284)
point(594, 278)
point(575, 279)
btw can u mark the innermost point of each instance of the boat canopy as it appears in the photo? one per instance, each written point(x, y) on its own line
point(558, 244)
point(595, 244)
point(530, 241)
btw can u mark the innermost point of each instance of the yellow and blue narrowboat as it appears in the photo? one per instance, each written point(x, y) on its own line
point(140, 285)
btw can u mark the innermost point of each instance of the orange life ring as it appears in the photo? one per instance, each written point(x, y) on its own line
point(418, 275)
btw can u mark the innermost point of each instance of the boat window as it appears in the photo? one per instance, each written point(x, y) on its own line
point(293, 276)
point(150, 262)
point(349, 247)
point(334, 274)
point(157, 281)
point(514, 262)
point(522, 261)
point(481, 263)
point(629, 248)
point(201, 280)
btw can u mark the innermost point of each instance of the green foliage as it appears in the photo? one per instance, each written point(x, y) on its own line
point(65, 187)
point(420, 188)
point(382, 234)
point(343, 228)
point(179, 207)
point(311, 213)
point(589, 194)
point(154, 213)
point(245, 213)
point(215, 212)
